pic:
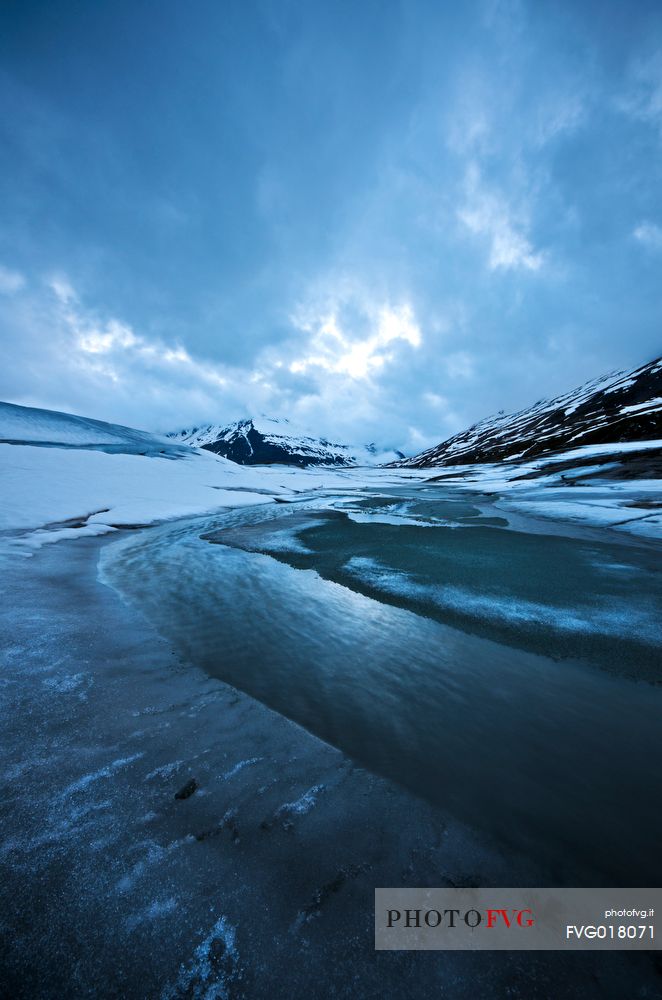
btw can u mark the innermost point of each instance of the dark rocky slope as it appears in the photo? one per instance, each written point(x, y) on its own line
point(617, 408)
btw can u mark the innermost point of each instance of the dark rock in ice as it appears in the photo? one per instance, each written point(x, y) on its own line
point(187, 790)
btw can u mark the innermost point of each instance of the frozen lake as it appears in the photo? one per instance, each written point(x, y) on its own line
point(501, 667)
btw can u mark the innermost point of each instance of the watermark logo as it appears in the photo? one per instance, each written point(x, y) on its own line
point(516, 919)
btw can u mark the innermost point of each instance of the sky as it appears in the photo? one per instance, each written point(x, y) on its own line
point(382, 219)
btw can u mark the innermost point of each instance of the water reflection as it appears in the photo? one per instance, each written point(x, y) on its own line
point(557, 757)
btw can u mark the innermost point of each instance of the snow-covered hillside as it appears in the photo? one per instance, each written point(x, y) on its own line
point(269, 440)
point(620, 407)
point(27, 425)
point(65, 476)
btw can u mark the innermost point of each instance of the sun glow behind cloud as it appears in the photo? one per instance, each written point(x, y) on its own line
point(350, 340)
point(332, 348)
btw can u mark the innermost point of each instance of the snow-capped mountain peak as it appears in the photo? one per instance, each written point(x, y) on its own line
point(267, 440)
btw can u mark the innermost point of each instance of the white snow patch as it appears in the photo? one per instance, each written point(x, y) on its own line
point(240, 765)
point(105, 772)
point(651, 404)
point(302, 805)
point(361, 517)
point(165, 771)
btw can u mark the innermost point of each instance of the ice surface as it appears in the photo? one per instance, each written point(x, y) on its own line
point(573, 618)
point(89, 818)
point(581, 495)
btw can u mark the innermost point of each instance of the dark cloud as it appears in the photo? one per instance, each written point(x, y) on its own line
point(231, 182)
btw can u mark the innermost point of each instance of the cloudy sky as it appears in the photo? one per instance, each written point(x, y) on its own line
point(382, 218)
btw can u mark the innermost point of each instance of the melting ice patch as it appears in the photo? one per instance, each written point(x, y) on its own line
point(419, 513)
point(360, 517)
point(286, 539)
point(605, 621)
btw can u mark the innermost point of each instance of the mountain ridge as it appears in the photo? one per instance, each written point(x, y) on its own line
point(621, 406)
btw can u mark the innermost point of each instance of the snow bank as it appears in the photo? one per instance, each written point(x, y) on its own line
point(65, 477)
point(538, 489)
point(67, 493)
point(43, 488)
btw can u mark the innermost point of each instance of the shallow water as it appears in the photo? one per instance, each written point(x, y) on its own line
point(495, 672)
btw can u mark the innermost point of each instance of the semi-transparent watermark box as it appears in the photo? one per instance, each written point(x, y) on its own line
point(519, 919)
